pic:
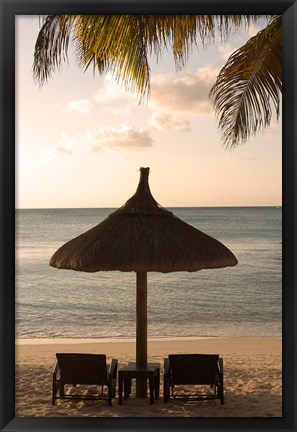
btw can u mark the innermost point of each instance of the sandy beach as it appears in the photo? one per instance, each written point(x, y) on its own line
point(252, 374)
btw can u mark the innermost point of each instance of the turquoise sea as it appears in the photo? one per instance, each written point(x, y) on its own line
point(241, 301)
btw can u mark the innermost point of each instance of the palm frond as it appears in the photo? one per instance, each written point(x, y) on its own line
point(249, 85)
point(182, 33)
point(114, 43)
point(121, 44)
point(51, 46)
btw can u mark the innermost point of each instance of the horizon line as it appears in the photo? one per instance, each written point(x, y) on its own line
point(201, 206)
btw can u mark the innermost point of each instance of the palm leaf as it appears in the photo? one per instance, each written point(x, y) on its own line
point(249, 85)
point(121, 43)
point(51, 46)
point(105, 42)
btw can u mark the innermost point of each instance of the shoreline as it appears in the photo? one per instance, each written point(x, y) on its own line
point(71, 341)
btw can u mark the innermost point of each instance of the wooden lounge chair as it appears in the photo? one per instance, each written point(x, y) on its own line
point(85, 369)
point(194, 369)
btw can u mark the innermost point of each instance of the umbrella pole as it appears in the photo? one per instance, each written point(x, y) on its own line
point(141, 330)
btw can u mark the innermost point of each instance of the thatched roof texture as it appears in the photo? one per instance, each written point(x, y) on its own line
point(142, 236)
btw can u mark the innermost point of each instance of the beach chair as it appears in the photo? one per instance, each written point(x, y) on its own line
point(194, 369)
point(84, 369)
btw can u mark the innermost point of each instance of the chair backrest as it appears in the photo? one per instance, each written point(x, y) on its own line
point(193, 368)
point(82, 368)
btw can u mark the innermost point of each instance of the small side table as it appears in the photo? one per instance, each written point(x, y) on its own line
point(151, 372)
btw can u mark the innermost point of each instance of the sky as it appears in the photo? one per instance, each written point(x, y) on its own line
point(81, 138)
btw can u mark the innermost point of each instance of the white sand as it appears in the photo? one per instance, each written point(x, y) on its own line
point(252, 375)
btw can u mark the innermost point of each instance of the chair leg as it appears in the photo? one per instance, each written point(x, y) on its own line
point(221, 391)
point(109, 394)
point(55, 386)
point(165, 390)
point(113, 385)
point(54, 392)
point(61, 390)
point(151, 387)
point(157, 386)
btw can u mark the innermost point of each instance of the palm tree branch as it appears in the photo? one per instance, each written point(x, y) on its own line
point(106, 41)
point(51, 46)
point(247, 84)
point(121, 43)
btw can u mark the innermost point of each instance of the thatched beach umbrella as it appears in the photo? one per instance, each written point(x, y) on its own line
point(141, 236)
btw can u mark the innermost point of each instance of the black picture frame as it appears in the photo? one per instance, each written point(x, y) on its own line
point(11, 8)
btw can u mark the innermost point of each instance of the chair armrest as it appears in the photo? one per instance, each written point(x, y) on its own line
point(221, 366)
point(56, 369)
point(112, 373)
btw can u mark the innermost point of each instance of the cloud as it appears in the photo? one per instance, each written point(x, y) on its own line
point(63, 150)
point(110, 97)
point(124, 137)
point(232, 158)
point(114, 98)
point(66, 145)
point(253, 30)
point(109, 90)
point(188, 93)
point(81, 106)
point(226, 50)
point(166, 121)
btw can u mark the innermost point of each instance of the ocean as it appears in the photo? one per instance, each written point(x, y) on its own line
point(242, 301)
